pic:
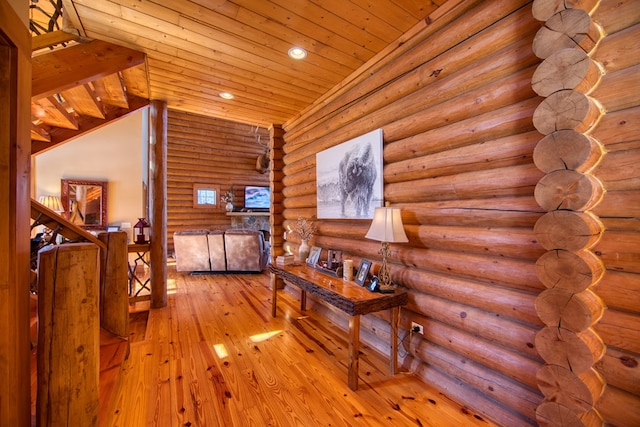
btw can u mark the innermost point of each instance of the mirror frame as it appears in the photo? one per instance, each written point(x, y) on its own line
point(65, 195)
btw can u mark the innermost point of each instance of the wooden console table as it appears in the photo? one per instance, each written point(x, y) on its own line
point(349, 297)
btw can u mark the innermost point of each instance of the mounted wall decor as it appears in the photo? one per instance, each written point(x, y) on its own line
point(85, 203)
point(349, 178)
point(262, 162)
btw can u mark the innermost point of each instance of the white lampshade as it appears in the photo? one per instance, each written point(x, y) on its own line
point(387, 226)
point(51, 202)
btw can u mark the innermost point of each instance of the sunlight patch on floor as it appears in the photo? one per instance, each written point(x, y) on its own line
point(172, 286)
point(264, 336)
point(221, 350)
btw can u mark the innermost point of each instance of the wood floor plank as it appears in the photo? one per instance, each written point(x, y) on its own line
point(215, 357)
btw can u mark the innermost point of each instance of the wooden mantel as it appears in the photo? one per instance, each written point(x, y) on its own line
point(248, 214)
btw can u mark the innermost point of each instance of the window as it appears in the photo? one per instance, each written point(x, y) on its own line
point(205, 196)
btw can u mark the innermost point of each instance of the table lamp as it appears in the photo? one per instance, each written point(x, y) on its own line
point(51, 202)
point(386, 227)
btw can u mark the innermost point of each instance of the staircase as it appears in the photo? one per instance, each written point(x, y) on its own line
point(114, 349)
point(41, 215)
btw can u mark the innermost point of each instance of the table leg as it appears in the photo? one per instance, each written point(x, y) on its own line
point(303, 300)
point(274, 294)
point(133, 276)
point(393, 351)
point(354, 349)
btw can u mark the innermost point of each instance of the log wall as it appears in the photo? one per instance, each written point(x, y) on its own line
point(618, 249)
point(276, 220)
point(456, 104)
point(204, 150)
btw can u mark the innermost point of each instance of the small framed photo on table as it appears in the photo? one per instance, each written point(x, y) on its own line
point(314, 256)
point(363, 272)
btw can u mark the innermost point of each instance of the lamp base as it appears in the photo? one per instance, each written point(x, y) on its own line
point(386, 289)
point(383, 273)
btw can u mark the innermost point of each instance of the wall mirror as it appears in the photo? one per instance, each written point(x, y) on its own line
point(85, 203)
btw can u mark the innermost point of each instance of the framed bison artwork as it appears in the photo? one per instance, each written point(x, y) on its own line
point(349, 178)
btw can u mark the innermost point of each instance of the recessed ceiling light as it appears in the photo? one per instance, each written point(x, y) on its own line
point(297, 53)
point(226, 95)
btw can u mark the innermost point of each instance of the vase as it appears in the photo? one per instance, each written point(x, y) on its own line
point(303, 250)
point(229, 207)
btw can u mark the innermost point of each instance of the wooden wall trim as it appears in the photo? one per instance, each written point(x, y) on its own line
point(15, 148)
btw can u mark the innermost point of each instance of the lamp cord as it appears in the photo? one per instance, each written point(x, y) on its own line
point(401, 351)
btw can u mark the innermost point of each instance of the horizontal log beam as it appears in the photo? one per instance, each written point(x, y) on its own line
point(620, 368)
point(65, 68)
point(51, 39)
point(521, 398)
point(471, 185)
point(621, 330)
point(88, 124)
point(450, 310)
point(619, 407)
point(461, 392)
point(492, 356)
point(511, 150)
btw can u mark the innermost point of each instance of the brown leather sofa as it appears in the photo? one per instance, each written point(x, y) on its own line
point(233, 250)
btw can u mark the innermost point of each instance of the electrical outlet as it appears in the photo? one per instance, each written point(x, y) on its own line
point(416, 327)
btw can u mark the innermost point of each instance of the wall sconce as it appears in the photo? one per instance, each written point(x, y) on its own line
point(386, 227)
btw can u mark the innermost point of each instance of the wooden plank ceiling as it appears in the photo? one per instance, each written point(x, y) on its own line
point(197, 49)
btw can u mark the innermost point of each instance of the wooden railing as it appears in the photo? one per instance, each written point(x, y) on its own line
point(41, 215)
point(113, 266)
point(88, 280)
point(139, 285)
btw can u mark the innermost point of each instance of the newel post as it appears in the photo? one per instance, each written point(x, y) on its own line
point(68, 354)
point(114, 281)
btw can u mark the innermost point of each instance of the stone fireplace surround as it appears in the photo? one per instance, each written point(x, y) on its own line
point(252, 221)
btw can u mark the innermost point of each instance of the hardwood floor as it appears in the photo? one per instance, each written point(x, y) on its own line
point(215, 357)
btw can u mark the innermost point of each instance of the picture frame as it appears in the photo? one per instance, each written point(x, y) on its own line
point(363, 272)
point(349, 180)
point(111, 228)
point(85, 203)
point(314, 256)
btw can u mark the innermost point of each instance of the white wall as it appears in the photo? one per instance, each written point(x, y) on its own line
point(21, 7)
point(116, 153)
